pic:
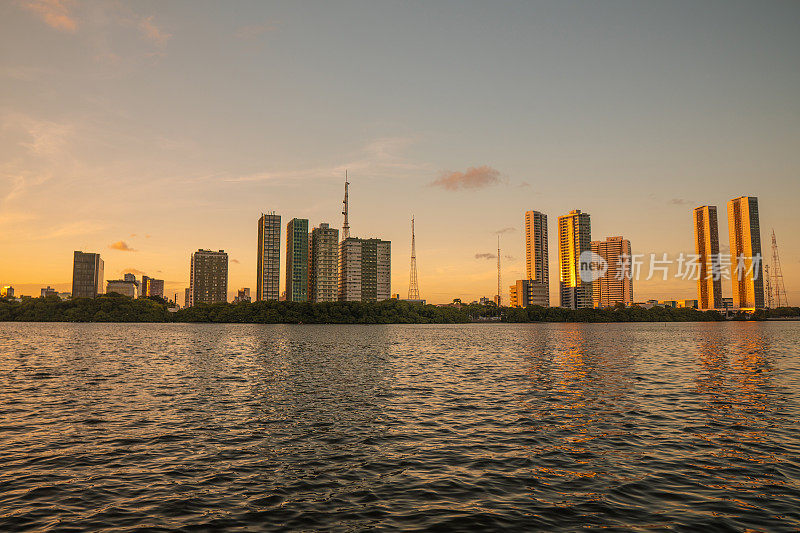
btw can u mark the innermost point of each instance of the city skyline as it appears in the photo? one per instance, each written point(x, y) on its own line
point(690, 126)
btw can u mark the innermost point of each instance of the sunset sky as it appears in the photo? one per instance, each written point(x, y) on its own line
point(146, 130)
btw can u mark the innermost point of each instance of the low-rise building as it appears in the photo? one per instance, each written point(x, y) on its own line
point(49, 291)
point(527, 292)
point(242, 295)
point(124, 287)
point(152, 287)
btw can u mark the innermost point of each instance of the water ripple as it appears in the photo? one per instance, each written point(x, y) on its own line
point(551, 427)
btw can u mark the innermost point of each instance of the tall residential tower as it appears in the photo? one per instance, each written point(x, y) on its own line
point(537, 257)
point(706, 244)
point(574, 238)
point(323, 272)
point(297, 260)
point(208, 277)
point(268, 276)
point(616, 285)
point(365, 270)
point(745, 238)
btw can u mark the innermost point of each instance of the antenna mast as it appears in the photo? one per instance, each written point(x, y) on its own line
point(346, 227)
point(499, 298)
point(767, 287)
point(781, 299)
point(413, 288)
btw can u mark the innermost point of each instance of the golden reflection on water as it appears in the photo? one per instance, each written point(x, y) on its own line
point(734, 385)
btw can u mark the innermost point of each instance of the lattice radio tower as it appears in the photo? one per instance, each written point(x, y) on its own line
point(346, 227)
point(781, 299)
point(413, 287)
point(499, 297)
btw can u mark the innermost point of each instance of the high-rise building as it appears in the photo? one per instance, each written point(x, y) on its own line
point(152, 287)
point(187, 297)
point(323, 264)
point(616, 285)
point(268, 277)
point(745, 238)
point(574, 238)
point(365, 270)
point(7, 292)
point(706, 244)
point(297, 260)
point(208, 278)
point(537, 258)
point(527, 292)
point(87, 275)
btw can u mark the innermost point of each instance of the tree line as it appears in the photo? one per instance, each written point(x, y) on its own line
point(117, 308)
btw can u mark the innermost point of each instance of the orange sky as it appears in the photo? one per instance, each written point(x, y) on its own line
point(144, 131)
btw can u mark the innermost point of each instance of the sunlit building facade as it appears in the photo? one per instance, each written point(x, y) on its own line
point(537, 258)
point(208, 281)
point(87, 275)
point(242, 296)
point(744, 232)
point(706, 245)
point(323, 272)
point(574, 238)
point(297, 260)
point(268, 275)
point(527, 292)
point(152, 287)
point(616, 285)
point(125, 287)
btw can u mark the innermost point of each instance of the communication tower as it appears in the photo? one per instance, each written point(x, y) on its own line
point(413, 287)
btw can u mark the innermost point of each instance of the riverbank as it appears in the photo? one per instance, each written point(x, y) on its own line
point(116, 308)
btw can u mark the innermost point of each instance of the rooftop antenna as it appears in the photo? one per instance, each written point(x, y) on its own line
point(346, 227)
point(413, 288)
point(767, 287)
point(498, 272)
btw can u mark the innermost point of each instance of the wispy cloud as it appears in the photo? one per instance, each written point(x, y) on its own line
point(486, 255)
point(235, 261)
point(472, 178)
point(253, 31)
point(153, 33)
point(134, 271)
point(45, 138)
point(122, 246)
point(508, 229)
point(55, 13)
point(72, 229)
point(381, 158)
point(680, 201)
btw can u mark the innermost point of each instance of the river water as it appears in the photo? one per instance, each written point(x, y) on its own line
point(453, 427)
